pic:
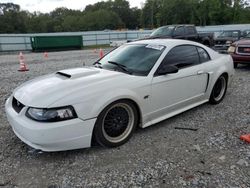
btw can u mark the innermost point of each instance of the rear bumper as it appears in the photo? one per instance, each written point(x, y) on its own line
point(58, 136)
point(241, 58)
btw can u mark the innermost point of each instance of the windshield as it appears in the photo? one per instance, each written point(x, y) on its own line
point(137, 59)
point(248, 35)
point(163, 31)
point(229, 34)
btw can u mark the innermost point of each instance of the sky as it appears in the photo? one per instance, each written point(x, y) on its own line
point(46, 6)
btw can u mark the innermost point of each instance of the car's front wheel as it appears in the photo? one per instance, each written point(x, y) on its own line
point(116, 123)
point(219, 90)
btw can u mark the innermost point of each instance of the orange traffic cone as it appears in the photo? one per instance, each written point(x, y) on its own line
point(21, 57)
point(23, 66)
point(101, 54)
point(45, 55)
point(245, 138)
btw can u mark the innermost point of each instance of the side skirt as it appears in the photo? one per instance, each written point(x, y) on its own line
point(169, 115)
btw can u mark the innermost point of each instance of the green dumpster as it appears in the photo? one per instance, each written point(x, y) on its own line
point(40, 43)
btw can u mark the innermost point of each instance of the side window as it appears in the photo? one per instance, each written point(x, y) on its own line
point(182, 56)
point(235, 34)
point(204, 57)
point(191, 30)
point(179, 31)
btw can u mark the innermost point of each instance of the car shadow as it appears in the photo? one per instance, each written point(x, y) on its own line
point(243, 67)
point(174, 119)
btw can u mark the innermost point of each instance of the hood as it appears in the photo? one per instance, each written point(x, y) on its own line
point(45, 90)
point(78, 73)
point(245, 41)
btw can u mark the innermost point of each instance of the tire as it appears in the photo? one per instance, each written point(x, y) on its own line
point(116, 124)
point(219, 90)
point(235, 65)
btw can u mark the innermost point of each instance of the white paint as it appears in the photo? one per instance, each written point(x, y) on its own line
point(89, 90)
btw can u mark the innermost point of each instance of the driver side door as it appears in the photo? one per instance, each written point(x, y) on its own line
point(179, 33)
point(172, 92)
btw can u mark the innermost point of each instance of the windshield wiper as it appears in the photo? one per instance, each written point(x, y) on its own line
point(97, 64)
point(123, 67)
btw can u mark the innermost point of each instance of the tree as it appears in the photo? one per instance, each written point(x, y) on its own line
point(100, 20)
point(7, 7)
point(121, 8)
point(115, 14)
point(12, 20)
point(149, 13)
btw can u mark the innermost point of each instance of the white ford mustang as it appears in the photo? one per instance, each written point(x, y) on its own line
point(137, 84)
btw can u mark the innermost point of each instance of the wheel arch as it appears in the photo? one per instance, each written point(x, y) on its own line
point(224, 74)
point(101, 102)
point(130, 99)
point(215, 100)
point(222, 70)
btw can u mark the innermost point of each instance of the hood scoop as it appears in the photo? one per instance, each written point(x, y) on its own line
point(63, 74)
point(78, 72)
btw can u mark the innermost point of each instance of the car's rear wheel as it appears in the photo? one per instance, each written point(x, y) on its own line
point(219, 90)
point(116, 123)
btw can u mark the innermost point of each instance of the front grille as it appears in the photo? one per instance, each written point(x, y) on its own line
point(243, 50)
point(18, 106)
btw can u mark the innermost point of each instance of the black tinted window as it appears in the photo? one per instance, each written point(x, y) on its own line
point(138, 58)
point(235, 34)
point(179, 31)
point(163, 31)
point(182, 56)
point(204, 57)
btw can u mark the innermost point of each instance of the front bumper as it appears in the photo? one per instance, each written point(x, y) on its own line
point(221, 48)
point(240, 58)
point(58, 136)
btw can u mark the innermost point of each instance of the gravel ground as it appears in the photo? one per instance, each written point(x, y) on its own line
point(158, 156)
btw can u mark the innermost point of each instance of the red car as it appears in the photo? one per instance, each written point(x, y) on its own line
point(240, 51)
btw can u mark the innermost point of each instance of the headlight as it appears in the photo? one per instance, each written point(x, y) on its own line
point(231, 49)
point(51, 114)
point(229, 42)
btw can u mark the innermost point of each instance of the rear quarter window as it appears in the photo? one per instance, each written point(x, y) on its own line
point(204, 56)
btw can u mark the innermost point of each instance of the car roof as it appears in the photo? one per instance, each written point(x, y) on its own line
point(178, 25)
point(232, 30)
point(171, 43)
point(166, 42)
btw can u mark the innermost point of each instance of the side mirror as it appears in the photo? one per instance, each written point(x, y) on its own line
point(167, 69)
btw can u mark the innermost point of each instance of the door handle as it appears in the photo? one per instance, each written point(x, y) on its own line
point(200, 72)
